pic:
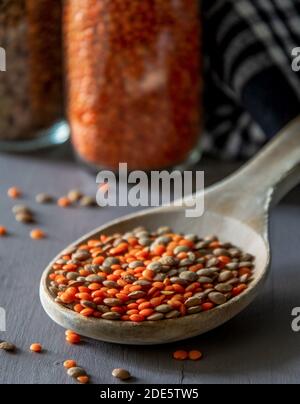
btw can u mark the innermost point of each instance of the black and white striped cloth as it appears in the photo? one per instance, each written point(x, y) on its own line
point(251, 89)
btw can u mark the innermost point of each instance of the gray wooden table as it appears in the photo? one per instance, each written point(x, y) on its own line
point(259, 346)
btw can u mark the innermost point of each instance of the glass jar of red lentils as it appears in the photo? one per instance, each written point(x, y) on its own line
point(134, 81)
point(31, 102)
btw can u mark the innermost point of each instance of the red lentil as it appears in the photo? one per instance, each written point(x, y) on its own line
point(146, 312)
point(36, 348)
point(72, 337)
point(14, 193)
point(64, 202)
point(239, 289)
point(3, 231)
point(68, 364)
point(244, 271)
point(83, 379)
point(137, 318)
point(127, 287)
point(87, 312)
point(37, 234)
point(180, 355)
point(195, 355)
point(224, 259)
point(207, 306)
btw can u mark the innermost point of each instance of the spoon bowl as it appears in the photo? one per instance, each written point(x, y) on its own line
point(236, 211)
point(164, 331)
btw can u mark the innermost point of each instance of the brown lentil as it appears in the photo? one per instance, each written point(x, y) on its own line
point(225, 276)
point(153, 85)
point(223, 288)
point(164, 308)
point(87, 201)
point(24, 217)
point(156, 317)
point(74, 195)
point(7, 346)
point(76, 372)
point(121, 374)
point(193, 301)
point(172, 314)
point(194, 310)
point(111, 316)
point(232, 266)
point(44, 198)
point(116, 278)
point(21, 209)
point(217, 298)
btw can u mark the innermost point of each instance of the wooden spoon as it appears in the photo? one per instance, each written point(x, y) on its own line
point(236, 210)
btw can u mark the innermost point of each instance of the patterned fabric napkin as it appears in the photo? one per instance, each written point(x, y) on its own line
point(251, 89)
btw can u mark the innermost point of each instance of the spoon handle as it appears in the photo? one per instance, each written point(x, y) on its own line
point(249, 193)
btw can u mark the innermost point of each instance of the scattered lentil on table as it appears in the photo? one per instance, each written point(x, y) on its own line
point(43, 198)
point(37, 234)
point(195, 355)
point(3, 231)
point(7, 346)
point(14, 193)
point(23, 214)
point(72, 337)
point(68, 364)
point(75, 195)
point(64, 202)
point(24, 217)
point(183, 355)
point(149, 276)
point(36, 348)
point(87, 201)
point(16, 209)
point(121, 374)
point(180, 355)
point(83, 379)
point(76, 372)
